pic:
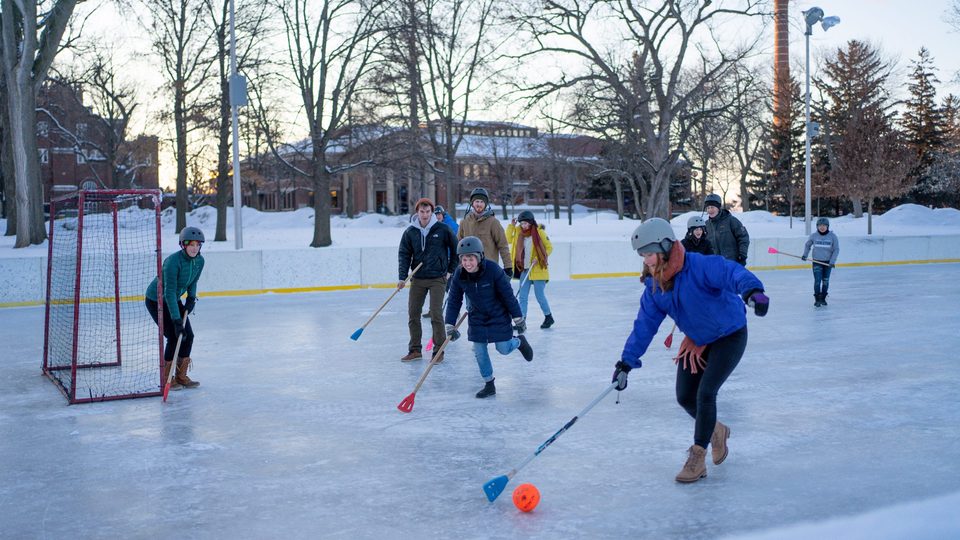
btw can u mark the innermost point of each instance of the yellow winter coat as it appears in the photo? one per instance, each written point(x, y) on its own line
point(538, 272)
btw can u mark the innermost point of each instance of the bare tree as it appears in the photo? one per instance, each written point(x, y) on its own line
point(181, 38)
point(330, 47)
point(29, 41)
point(249, 25)
point(750, 128)
point(458, 50)
point(652, 90)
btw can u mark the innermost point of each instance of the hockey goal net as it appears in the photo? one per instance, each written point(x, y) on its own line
point(100, 343)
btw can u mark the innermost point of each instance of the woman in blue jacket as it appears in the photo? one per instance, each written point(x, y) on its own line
point(702, 293)
point(492, 309)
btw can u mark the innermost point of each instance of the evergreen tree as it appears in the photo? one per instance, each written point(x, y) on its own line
point(923, 123)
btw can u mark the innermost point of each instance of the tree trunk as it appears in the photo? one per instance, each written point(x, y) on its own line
point(555, 192)
point(223, 140)
point(658, 200)
point(180, 123)
point(857, 206)
point(9, 179)
point(869, 215)
point(321, 197)
point(23, 138)
point(618, 186)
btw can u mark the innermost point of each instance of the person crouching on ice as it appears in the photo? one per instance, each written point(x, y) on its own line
point(491, 308)
point(181, 271)
point(700, 293)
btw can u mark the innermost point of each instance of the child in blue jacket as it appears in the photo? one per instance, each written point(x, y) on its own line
point(704, 294)
point(491, 308)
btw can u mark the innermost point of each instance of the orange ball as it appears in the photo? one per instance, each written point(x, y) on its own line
point(526, 497)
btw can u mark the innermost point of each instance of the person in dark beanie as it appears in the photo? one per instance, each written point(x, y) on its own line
point(530, 247)
point(696, 239)
point(181, 272)
point(727, 235)
point(494, 313)
point(826, 248)
point(705, 296)
point(432, 243)
point(481, 222)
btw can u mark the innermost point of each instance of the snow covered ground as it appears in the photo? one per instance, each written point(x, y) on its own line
point(840, 416)
point(286, 230)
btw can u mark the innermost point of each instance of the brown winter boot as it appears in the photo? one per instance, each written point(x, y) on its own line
point(718, 443)
point(695, 468)
point(174, 385)
point(411, 356)
point(182, 377)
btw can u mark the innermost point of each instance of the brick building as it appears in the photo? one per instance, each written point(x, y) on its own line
point(78, 149)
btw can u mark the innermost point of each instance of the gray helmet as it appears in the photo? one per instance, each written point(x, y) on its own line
point(480, 193)
point(527, 215)
point(188, 234)
point(654, 235)
point(713, 200)
point(823, 221)
point(470, 245)
point(439, 210)
point(696, 221)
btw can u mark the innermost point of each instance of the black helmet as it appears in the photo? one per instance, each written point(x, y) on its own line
point(439, 210)
point(188, 234)
point(480, 193)
point(470, 245)
point(713, 200)
point(654, 235)
point(527, 215)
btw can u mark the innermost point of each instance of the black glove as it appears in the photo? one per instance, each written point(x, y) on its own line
point(452, 333)
point(177, 327)
point(803, 258)
point(520, 325)
point(742, 261)
point(759, 302)
point(514, 273)
point(190, 304)
point(620, 374)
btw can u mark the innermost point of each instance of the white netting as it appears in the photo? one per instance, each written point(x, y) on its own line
point(106, 346)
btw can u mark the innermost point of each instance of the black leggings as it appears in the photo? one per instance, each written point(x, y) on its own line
point(168, 332)
point(697, 394)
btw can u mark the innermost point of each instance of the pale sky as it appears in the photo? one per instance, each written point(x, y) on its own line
point(898, 27)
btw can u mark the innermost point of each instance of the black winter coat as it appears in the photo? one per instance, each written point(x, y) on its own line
point(492, 304)
point(693, 245)
point(438, 252)
point(728, 237)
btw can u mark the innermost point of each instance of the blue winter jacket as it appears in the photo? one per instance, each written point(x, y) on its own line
point(705, 301)
point(492, 304)
point(449, 222)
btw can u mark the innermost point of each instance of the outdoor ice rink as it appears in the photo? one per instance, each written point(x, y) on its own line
point(294, 431)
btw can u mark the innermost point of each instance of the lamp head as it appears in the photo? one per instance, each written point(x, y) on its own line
point(829, 22)
point(812, 16)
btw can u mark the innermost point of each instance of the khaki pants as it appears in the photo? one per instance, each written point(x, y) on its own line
point(418, 293)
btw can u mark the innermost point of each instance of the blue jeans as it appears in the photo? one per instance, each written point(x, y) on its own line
point(821, 278)
point(538, 291)
point(483, 356)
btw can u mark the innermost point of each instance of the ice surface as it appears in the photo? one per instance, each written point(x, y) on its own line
point(294, 431)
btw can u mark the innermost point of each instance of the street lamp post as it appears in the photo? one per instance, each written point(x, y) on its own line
point(238, 98)
point(811, 16)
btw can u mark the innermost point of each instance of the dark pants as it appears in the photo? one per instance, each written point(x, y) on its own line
point(168, 332)
point(821, 278)
point(697, 394)
point(418, 294)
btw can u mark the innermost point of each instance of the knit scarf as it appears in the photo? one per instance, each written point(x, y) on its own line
point(690, 353)
point(538, 249)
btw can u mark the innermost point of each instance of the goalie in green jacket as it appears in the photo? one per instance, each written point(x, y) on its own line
point(181, 271)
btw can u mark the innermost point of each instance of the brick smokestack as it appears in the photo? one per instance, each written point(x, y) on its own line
point(781, 61)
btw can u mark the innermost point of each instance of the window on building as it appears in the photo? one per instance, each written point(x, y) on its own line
point(80, 158)
point(88, 184)
point(44, 155)
point(43, 129)
point(334, 199)
point(82, 131)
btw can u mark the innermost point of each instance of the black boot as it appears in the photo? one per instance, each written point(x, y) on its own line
point(547, 322)
point(816, 303)
point(488, 389)
point(823, 299)
point(525, 349)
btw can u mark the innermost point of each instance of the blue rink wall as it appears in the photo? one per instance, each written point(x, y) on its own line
point(23, 280)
